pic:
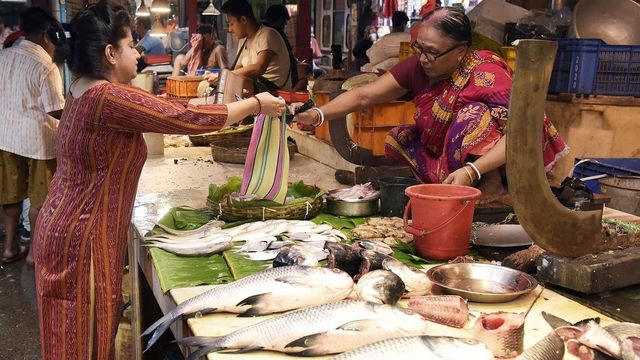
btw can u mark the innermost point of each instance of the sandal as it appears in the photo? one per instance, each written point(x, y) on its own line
point(22, 253)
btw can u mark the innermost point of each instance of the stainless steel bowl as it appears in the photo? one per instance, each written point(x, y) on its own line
point(352, 208)
point(614, 21)
point(482, 282)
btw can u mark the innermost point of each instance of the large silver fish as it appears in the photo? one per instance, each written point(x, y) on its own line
point(503, 332)
point(416, 282)
point(269, 291)
point(318, 330)
point(420, 348)
point(551, 347)
point(451, 310)
point(193, 248)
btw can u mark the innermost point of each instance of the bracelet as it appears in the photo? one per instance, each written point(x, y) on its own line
point(259, 105)
point(321, 117)
point(469, 173)
point(475, 169)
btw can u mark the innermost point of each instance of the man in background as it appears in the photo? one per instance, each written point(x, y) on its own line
point(31, 87)
point(147, 45)
point(384, 53)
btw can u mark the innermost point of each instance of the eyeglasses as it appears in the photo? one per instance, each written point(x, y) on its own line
point(430, 56)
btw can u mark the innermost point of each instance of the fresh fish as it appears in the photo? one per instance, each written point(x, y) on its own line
point(307, 237)
point(171, 239)
point(451, 310)
point(269, 291)
point(371, 260)
point(298, 255)
point(581, 351)
point(259, 233)
point(193, 249)
point(277, 245)
point(416, 281)
point(262, 255)
point(337, 234)
point(318, 330)
point(343, 257)
point(380, 287)
point(557, 322)
point(551, 347)
point(420, 348)
point(600, 339)
point(570, 333)
point(377, 246)
point(503, 332)
point(623, 329)
point(213, 224)
point(255, 246)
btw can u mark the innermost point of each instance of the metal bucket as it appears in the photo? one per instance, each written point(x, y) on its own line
point(624, 192)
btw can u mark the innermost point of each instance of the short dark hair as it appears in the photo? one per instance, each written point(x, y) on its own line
point(399, 18)
point(238, 9)
point(276, 12)
point(36, 20)
point(91, 31)
point(145, 22)
point(452, 22)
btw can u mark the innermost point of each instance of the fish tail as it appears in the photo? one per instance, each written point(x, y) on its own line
point(158, 328)
point(205, 345)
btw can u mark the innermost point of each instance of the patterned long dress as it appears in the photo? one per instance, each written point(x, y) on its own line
point(81, 233)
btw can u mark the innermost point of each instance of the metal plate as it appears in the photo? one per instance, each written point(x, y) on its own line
point(482, 282)
point(501, 235)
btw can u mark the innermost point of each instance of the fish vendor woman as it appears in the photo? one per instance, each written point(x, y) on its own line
point(462, 101)
point(81, 233)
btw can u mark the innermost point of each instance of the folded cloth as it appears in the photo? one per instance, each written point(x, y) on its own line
point(266, 169)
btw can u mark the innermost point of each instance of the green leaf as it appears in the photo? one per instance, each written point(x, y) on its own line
point(301, 190)
point(339, 222)
point(406, 254)
point(241, 266)
point(217, 193)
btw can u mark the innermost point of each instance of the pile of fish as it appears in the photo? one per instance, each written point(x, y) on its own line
point(587, 340)
point(355, 193)
point(319, 330)
point(269, 291)
point(260, 238)
point(388, 230)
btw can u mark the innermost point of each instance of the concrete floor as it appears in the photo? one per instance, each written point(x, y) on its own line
point(19, 338)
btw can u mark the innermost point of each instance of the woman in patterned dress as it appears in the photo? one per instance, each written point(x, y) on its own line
point(82, 231)
point(462, 101)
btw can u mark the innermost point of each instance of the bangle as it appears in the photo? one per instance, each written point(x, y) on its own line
point(469, 173)
point(259, 105)
point(475, 169)
point(321, 117)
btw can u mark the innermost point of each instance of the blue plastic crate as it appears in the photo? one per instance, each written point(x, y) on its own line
point(590, 66)
point(609, 166)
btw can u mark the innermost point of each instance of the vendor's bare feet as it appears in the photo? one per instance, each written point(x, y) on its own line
point(492, 189)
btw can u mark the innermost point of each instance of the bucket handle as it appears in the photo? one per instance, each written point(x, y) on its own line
point(421, 232)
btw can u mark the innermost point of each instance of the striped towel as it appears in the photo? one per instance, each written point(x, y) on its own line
point(266, 169)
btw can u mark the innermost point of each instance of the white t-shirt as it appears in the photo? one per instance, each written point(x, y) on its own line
point(30, 87)
point(279, 68)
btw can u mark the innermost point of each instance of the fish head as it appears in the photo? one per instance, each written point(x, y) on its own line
point(381, 287)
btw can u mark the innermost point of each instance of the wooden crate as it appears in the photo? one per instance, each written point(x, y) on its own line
point(371, 126)
point(183, 86)
point(322, 131)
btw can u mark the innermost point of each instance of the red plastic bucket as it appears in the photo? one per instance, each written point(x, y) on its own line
point(442, 216)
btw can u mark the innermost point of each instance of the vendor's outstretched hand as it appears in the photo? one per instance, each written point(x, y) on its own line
point(271, 105)
point(309, 117)
point(459, 177)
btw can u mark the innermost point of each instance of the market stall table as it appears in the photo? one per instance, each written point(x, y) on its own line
point(192, 191)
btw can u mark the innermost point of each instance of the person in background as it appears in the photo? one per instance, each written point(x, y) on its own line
point(462, 104)
point(31, 87)
point(4, 32)
point(81, 236)
point(147, 45)
point(277, 17)
point(262, 55)
point(316, 54)
point(384, 53)
point(360, 52)
point(206, 52)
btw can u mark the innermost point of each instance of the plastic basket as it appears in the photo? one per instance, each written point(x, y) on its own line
point(609, 166)
point(590, 66)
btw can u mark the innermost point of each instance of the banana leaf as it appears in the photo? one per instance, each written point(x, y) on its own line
point(181, 271)
point(406, 254)
point(241, 266)
point(339, 222)
point(297, 192)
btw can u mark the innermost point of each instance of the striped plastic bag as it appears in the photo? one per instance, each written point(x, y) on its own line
point(266, 169)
